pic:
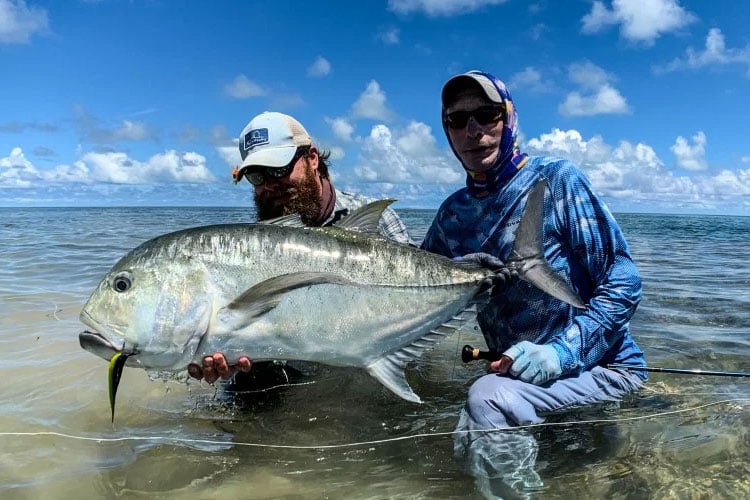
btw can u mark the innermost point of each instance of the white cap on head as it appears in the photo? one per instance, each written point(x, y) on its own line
point(271, 139)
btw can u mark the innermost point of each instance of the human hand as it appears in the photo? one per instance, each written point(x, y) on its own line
point(488, 261)
point(216, 366)
point(534, 363)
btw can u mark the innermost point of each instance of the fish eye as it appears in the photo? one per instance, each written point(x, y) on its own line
point(122, 282)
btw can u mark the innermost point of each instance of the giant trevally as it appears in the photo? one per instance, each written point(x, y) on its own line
point(336, 295)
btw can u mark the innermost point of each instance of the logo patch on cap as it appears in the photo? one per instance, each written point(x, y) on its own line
point(255, 137)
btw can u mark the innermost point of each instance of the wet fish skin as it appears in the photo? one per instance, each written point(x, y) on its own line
point(337, 295)
point(329, 295)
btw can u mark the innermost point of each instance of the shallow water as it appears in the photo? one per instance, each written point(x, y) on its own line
point(342, 435)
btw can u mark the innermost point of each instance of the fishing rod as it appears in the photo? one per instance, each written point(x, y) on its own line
point(469, 353)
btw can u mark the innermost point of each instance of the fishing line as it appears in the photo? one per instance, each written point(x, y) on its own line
point(372, 442)
point(53, 314)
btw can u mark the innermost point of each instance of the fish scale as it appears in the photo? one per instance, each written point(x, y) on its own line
point(340, 296)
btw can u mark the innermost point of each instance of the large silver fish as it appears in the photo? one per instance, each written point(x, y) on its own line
point(338, 296)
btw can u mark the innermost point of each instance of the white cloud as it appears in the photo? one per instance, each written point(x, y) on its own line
point(389, 36)
point(131, 131)
point(529, 79)
point(633, 173)
point(16, 127)
point(437, 8)
point(169, 166)
point(624, 171)
point(16, 170)
point(640, 21)
point(92, 130)
point(716, 53)
point(319, 68)
point(243, 88)
point(588, 75)
point(230, 154)
point(596, 95)
point(113, 167)
point(18, 22)
point(337, 153)
point(536, 31)
point(605, 100)
point(408, 155)
point(341, 128)
point(691, 157)
point(287, 100)
point(372, 104)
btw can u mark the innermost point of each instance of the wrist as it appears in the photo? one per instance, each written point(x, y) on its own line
point(568, 360)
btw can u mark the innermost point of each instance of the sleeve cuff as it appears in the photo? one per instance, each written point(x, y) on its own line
point(570, 363)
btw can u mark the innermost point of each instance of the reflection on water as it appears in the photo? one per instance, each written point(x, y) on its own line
point(343, 435)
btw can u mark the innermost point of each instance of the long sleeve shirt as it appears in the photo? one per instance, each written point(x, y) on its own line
point(582, 243)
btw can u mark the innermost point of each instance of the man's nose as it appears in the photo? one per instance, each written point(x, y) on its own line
point(473, 128)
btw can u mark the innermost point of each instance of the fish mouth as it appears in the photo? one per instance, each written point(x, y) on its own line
point(98, 344)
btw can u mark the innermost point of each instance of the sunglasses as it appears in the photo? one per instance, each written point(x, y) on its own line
point(258, 174)
point(484, 115)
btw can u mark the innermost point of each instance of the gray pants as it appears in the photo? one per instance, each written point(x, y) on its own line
point(503, 462)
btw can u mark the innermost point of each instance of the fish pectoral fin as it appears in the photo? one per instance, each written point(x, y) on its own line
point(366, 218)
point(264, 296)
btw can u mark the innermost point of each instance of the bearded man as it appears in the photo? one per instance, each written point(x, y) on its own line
point(290, 176)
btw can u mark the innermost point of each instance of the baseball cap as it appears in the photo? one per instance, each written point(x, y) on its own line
point(471, 79)
point(271, 139)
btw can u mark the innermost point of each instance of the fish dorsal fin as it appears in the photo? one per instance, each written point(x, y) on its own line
point(264, 296)
point(293, 220)
point(365, 219)
point(389, 369)
point(528, 251)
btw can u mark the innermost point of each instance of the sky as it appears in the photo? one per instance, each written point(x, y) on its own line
point(141, 102)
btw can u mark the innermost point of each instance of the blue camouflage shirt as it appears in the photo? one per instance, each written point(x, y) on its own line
point(582, 242)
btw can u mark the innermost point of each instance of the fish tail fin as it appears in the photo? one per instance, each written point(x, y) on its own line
point(527, 256)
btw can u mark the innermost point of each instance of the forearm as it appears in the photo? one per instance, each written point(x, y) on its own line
point(604, 322)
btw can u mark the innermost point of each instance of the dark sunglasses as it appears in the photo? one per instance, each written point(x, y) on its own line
point(258, 174)
point(484, 115)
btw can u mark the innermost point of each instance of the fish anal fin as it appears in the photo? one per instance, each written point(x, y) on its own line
point(389, 369)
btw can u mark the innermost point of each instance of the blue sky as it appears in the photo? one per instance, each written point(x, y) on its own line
point(140, 102)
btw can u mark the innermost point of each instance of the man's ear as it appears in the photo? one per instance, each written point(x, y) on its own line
point(313, 157)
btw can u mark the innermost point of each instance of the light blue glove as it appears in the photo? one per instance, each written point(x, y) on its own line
point(534, 363)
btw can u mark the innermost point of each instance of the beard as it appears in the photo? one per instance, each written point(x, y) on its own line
point(301, 198)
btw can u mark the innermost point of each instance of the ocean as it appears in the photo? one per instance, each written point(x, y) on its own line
point(342, 435)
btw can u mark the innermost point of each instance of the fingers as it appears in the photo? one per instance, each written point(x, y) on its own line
point(244, 364)
point(221, 367)
point(502, 365)
point(216, 366)
point(195, 371)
